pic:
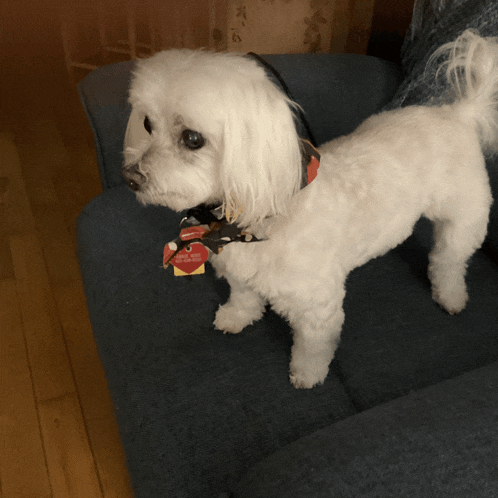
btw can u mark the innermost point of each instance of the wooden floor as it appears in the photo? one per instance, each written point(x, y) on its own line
point(57, 429)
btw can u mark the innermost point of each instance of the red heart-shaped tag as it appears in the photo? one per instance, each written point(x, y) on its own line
point(189, 258)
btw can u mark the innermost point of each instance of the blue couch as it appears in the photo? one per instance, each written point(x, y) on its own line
point(410, 407)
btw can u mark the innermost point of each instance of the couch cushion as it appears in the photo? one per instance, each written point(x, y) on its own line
point(441, 441)
point(195, 408)
point(396, 338)
point(173, 378)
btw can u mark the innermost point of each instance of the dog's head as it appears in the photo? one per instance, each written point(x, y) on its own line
point(215, 130)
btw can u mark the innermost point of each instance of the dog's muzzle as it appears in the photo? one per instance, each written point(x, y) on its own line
point(133, 177)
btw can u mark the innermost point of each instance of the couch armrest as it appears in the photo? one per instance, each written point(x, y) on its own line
point(104, 96)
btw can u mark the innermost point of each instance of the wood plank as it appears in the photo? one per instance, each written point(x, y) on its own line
point(6, 266)
point(23, 468)
point(40, 154)
point(15, 212)
point(83, 183)
point(70, 460)
point(52, 372)
point(59, 252)
point(39, 262)
point(46, 348)
point(92, 388)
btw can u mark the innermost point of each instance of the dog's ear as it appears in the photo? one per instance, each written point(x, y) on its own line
point(261, 164)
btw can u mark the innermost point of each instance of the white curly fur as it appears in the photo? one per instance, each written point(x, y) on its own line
point(372, 185)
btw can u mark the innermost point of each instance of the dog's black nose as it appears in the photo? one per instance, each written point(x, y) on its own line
point(133, 177)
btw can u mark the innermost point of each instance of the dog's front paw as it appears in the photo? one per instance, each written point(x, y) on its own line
point(306, 380)
point(232, 320)
point(452, 301)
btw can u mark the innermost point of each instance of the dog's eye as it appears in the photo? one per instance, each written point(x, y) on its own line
point(192, 139)
point(147, 125)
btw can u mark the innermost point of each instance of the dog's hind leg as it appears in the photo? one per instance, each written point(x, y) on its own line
point(456, 238)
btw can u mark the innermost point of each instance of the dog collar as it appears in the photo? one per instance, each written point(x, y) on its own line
point(206, 228)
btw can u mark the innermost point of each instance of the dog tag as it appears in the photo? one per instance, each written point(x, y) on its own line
point(190, 260)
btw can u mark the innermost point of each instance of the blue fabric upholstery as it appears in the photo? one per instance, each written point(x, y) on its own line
point(195, 408)
point(425, 444)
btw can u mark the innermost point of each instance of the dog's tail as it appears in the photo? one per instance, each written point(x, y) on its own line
point(471, 71)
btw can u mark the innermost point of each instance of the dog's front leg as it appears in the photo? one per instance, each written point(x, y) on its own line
point(316, 337)
point(242, 309)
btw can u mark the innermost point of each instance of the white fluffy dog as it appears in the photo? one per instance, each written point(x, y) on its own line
point(218, 131)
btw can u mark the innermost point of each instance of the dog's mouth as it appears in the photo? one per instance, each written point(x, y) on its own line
point(148, 193)
point(173, 200)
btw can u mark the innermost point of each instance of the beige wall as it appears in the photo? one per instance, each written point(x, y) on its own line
point(32, 27)
point(280, 26)
point(264, 26)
